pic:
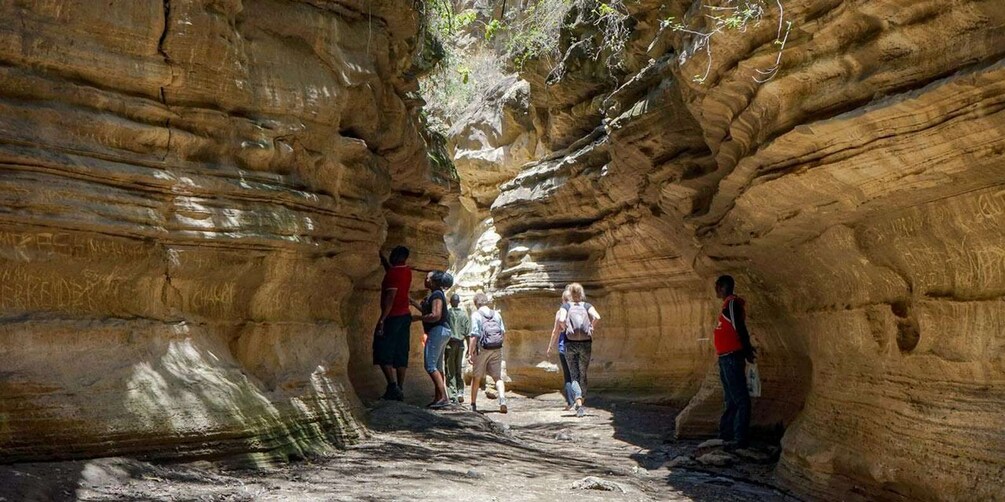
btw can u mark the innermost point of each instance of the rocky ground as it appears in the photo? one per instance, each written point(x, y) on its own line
point(535, 452)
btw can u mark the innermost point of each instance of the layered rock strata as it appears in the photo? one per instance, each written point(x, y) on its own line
point(855, 194)
point(192, 201)
point(488, 145)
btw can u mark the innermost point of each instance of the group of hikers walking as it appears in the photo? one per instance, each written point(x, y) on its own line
point(447, 329)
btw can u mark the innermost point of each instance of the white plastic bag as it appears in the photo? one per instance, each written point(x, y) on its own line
point(753, 380)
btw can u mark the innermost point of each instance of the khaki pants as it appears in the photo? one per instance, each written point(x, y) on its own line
point(488, 362)
point(454, 357)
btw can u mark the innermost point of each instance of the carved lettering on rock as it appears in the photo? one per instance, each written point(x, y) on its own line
point(27, 245)
point(27, 289)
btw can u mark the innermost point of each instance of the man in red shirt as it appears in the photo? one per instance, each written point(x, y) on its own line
point(391, 337)
point(732, 344)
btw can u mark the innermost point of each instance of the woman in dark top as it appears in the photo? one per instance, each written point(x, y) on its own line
point(435, 323)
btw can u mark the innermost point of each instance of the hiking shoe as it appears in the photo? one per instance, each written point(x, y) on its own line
point(399, 395)
point(581, 411)
point(392, 390)
point(503, 409)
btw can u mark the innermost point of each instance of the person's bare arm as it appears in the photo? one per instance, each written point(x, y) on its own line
point(436, 311)
point(554, 338)
point(594, 318)
point(473, 340)
point(386, 302)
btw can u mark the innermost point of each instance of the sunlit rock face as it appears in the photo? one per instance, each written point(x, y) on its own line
point(856, 196)
point(493, 139)
point(591, 214)
point(488, 145)
point(193, 198)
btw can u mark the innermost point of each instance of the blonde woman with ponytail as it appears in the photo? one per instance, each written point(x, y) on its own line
point(578, 320)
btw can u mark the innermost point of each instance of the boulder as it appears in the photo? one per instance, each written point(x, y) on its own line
point(717, 459)
point(595, 483)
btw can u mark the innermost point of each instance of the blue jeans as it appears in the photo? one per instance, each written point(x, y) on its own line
point(735, 422)
point(436, 342)
point(567, 391)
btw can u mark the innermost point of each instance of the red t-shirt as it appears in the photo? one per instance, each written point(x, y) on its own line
point(726, 338)
point(400, 278)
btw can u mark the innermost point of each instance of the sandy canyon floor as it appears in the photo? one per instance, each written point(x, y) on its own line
point(537, 451)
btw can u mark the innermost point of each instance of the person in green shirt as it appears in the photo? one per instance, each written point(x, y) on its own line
point(460, 327)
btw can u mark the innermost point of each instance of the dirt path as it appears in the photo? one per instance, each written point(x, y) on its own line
point(536, 452)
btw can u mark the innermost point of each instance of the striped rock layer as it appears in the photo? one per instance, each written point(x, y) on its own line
point(858, 196)
point(192, 198)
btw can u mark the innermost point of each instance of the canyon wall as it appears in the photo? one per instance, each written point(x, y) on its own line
point(855, 188)
point(192, 198)
point(487, 145)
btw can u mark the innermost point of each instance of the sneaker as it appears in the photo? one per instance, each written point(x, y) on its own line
point(474, 409)
point(580, 411)
point(503, 409)
point(399, 395)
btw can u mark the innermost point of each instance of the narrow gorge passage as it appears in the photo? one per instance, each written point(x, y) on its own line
point(535, 452)
point(194, 195)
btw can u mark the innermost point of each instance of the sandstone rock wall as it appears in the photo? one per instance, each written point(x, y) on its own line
point(856, 196)
point(591, 212)
point(193, 194)
point(586, 215)
point(864, 163)
point(488, 145)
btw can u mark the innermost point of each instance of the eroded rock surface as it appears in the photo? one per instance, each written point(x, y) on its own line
point(193, 197)
point(489, 144)
point(856, 196)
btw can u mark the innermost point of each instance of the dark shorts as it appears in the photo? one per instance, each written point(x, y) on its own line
point(392, 348)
